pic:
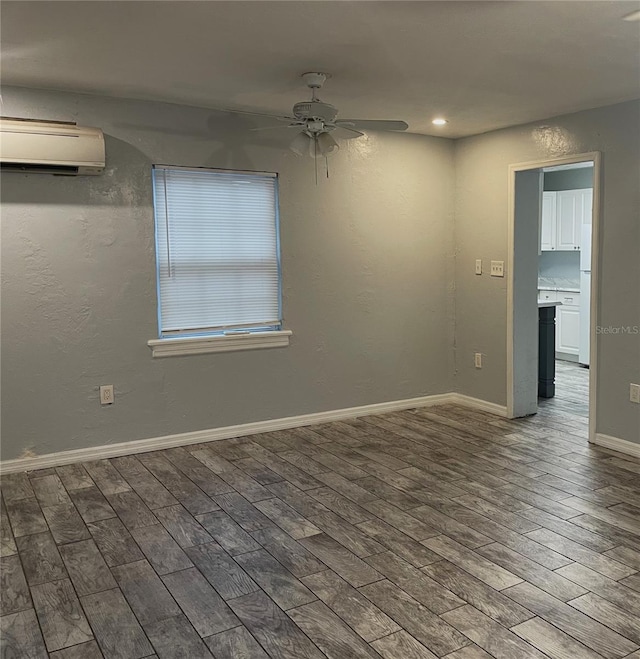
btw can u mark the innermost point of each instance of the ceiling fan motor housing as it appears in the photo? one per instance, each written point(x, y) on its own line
point(314, 110)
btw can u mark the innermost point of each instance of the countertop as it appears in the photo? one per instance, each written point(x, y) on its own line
point(562, 289)
point(546, 303)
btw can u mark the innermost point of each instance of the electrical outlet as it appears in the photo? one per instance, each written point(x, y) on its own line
point(634, 393)
point(478, 266)
point(106, 394)
point(497, 268)
point(478, 360)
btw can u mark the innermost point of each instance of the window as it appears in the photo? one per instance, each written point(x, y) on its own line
point(218, 262)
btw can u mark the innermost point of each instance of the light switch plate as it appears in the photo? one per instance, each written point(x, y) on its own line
point(497, 268)
point(478, 266)
point(634, 393)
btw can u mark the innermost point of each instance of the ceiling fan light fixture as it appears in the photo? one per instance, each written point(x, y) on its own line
point(326, 145)
point(439, 121)
point(301, 144)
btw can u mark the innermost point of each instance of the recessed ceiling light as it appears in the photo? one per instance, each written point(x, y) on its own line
point(633, 16)
point(439, 122)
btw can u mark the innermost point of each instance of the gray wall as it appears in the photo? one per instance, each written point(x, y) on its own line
point(367, 281)
point(525, 277)
point(481, 232)
point(568, 179)
point(368, 272)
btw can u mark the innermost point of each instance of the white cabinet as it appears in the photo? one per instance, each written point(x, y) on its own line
point(548, 222)
point(568, 323)
point(567, 320)
point(568, 219)
point(586, 201)
point(562, 216)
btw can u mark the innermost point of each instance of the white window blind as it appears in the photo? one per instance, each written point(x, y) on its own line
point(217, 251)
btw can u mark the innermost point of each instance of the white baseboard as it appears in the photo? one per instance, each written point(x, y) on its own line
point(227, 432)
point(479, 404)
point(617, 444)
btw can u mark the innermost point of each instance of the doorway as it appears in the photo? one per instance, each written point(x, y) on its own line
point(552, 271)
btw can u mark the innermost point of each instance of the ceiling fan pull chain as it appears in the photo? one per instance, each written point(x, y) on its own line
point(326, 161)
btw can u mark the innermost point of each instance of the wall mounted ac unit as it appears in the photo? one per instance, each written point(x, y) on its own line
point(50, 147)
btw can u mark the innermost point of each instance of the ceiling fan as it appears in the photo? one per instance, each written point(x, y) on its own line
point(317, 123)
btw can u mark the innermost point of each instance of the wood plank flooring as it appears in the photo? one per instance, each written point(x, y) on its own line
point(441, 532)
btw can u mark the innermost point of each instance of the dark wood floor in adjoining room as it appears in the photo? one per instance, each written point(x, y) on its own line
point(439, 532)
point(571, 400)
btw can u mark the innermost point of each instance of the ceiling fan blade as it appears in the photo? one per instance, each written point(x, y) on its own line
point(277, 117)
point(372, 124)
point(346, 133)
point(297, 125)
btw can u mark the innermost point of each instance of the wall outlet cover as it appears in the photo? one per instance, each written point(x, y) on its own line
point(106, 394)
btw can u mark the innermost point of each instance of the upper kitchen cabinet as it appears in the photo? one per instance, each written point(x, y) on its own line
point(563, 214)
point(548, 222)
point(586, 201)
point(568, 220)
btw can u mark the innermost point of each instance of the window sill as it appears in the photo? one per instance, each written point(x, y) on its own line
point(177, 347)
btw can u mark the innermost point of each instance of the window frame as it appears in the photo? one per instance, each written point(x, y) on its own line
point(224, 339)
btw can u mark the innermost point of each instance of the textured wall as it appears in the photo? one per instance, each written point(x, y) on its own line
point(367, 281)
point(367, 267)
point(481, 232)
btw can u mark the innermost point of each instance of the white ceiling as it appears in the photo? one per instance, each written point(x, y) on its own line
point(483, 65)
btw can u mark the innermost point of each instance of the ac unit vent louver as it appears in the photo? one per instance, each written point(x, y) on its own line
point(50, 148)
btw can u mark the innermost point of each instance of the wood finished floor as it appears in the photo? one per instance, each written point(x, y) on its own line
point(439, 532)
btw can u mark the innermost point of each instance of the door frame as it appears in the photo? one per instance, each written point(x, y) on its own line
point(596, 158)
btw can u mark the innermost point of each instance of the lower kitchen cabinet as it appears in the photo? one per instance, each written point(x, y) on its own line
point(568, 323)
